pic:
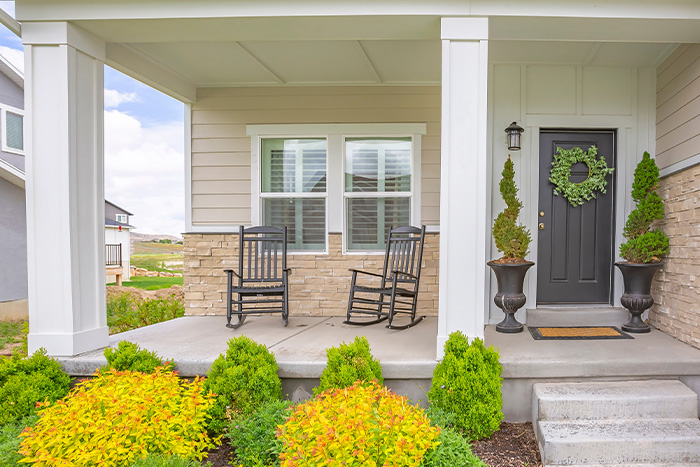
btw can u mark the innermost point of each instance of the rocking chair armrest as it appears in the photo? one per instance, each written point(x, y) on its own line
point(365, 272)
point(231, 271)
point(401, 273)
point(287, 271)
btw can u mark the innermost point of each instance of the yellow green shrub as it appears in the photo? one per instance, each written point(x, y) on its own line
point(119, 417)
point(362, 425)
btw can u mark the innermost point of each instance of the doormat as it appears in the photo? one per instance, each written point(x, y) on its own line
point(578, 333)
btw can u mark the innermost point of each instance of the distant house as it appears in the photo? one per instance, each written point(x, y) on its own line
point(117, 243)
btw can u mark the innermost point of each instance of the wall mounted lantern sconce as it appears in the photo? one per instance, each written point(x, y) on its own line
point(513, 136)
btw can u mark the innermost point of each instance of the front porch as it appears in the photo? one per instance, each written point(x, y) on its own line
point(408, 357)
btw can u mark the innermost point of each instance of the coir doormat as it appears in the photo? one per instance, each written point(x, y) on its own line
point(578, 333)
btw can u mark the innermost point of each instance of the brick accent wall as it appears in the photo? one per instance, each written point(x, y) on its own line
point(675, 287)
point(319, 284)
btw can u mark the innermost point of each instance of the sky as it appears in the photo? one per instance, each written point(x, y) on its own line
point(144, 146)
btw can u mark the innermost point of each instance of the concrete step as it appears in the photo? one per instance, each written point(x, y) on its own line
point(577, 316)
point(652, 399)
point(619, 442)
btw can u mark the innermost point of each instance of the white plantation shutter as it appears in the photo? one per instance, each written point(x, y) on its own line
point(14, 131)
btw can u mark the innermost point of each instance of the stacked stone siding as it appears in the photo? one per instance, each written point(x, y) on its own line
point(675, 287)
point(319, 283)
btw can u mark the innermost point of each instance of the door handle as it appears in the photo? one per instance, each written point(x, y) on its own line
point(541, 225)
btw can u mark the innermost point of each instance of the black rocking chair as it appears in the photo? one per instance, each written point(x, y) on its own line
point(397, 291)
point(263, 276)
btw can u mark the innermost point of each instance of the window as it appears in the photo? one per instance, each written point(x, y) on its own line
point(12, 130)
point(354, 179)
point(122, 218)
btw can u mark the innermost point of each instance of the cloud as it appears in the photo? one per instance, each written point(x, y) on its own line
point(114, 98)
point(144, 172)
point(14, 56)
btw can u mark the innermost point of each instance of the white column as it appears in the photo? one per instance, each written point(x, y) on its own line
point(64, 69)
point(464, 187)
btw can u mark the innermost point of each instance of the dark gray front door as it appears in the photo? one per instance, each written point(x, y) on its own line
point(575, 247)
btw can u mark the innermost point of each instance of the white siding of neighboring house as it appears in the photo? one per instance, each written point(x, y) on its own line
point(114, 236)
point(221, 151)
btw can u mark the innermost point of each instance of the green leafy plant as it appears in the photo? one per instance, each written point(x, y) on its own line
point(645, 244)
point(511, 237)
point(165, 460)
point(440, 417)
point(10, 440)
point(124, 312)
point(129, 356)
point(118, 417)
point(578, 193)
point(242, 379)
point(254, 437)
point(467, 382)
point(364, 424)
point(348, 363)
point(452, 451)
point(26, 381)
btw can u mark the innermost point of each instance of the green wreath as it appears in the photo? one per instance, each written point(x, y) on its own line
point(578, 193)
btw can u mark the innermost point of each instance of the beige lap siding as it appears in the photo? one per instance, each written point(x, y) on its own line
point(319, 284)
point(676, 288)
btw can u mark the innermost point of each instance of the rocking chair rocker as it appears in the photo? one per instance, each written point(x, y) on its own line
point(263, 276)
point(397, 292)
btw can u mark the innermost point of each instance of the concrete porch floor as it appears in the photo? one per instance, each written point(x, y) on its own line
point(408, 357)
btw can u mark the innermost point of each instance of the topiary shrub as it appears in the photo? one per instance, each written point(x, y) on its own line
point(254, 437)
point(129, 356)
point(119, 417)
point(10, 440)
point(26, 381)
point(348, 363)
point(364, 424)
point(242, 379)
point(645, 245)
point(452, 451)
point(467, 382)
point(512, 239)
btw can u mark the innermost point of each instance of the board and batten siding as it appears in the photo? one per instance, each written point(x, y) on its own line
point(221, 166)
point(678, 106)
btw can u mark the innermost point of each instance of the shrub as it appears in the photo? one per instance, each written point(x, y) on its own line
point(512, 238)
point(467, 382)
point(119, 417)
point(129, 356)
point(10, 441)
point(348, 363)
point(242, 379)
point(254, 438)
point(452, 451)
point(360, 425)
point(26, 381)
point(645, 245)
point(440, 417)
point(164, 460)
point(125, 312)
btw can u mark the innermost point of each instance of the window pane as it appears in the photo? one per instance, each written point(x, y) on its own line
point(369, 220)
point(15, 132)
point(293, 165)
point(305, 219)
point(378, 164)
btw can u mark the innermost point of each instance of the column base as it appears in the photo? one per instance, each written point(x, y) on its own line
point(69, 344)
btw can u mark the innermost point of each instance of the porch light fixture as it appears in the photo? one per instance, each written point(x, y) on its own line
point(513, 136)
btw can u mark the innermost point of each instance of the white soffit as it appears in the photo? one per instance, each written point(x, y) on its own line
point(406, 61)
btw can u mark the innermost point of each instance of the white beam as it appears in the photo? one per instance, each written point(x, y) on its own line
point(10, 23)
point(147, 70)
point(464, 186)
point(65, 190)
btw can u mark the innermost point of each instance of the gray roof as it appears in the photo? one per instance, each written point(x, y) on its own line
point(110, 222)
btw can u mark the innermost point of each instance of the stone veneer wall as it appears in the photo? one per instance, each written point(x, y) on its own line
point(675, 287)
point(319, 283)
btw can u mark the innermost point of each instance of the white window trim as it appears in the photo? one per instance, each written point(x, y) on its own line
point(4, 108)
point(126, 218)
point(335, 135)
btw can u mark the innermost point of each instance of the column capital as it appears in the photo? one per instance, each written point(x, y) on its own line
point(63, 33)
point(464, 29)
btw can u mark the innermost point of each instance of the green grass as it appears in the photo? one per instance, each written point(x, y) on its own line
point(148, 248)
point(12, 332)
point(151, 283)
point(156, 256)
point(125, 312)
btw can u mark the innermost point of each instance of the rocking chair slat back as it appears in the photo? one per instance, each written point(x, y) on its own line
point(404, 253)
point(263, 254)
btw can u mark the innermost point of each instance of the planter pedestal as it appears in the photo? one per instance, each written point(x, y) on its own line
point(637, 295)
point(510, 296)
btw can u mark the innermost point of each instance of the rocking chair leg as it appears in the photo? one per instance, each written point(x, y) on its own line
point(366, 323)
point(406, 326)
point(241, 320)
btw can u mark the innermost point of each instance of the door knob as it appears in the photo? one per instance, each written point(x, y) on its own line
point(541, 226)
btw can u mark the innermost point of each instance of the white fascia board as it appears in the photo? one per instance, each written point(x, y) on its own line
point(337, 129)
point(144, 69)
point(11, 174)
point(465, 29)
point(10, 23)
point(63, 33)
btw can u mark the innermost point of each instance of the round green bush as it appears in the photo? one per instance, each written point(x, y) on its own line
point(26, 381)
point(242, 379)
point(129, 356)
point(452, 451)
point(348, 363)
point(467, 382)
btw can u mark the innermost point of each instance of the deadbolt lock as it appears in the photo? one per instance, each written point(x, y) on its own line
point(541, 213)
point(541, 226)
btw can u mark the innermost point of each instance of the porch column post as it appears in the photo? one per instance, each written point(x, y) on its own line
point(464, 186)
point(64, 70)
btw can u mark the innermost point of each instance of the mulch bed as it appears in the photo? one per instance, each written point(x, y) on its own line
point(514, 445)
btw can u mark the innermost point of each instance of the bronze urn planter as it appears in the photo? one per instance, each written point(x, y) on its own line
point(510, 297)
